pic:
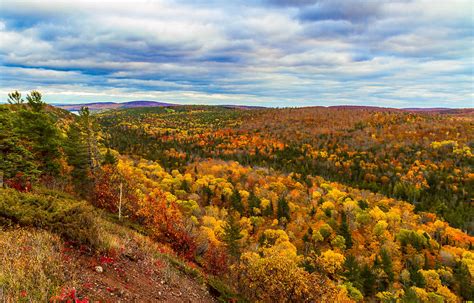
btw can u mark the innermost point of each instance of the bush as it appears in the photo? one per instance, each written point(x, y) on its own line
point(71, 219)
point(276, 278)
point(413, 238)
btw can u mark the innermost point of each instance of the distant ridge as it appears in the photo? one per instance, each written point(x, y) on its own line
point(113, 105)
point(96, 106)
point(441, 110)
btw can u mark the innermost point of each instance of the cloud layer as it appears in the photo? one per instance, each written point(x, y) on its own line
point(260, 52)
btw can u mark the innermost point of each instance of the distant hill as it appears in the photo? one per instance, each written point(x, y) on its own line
point(442, 110)
point(112, 105)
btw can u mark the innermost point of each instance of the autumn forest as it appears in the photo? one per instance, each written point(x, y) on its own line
point(197, 203)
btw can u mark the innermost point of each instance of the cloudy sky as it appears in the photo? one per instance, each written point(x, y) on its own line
point(402, 53)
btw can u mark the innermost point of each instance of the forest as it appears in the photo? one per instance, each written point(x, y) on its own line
point(314, 204)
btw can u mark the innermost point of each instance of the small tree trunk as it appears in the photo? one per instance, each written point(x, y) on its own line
point(120, 202)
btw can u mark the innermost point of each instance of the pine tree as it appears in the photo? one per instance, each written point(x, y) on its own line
point(185, 186)
point(37, 127)
point(87, 128)
point(466, 285)
point(386, 262)
point(417, 278)
point(15, 157)
point(344, 230)
point(232, 235)
point(78, 157)
point(254, 202)
point(15, 98)
point(352, 272)
point(268, 211)
point(207, 195)
point(109, 159)
point(368, 279)
point(283, 210)
point(35, 102)
point(236, 201)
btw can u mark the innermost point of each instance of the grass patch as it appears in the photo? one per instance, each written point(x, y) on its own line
point(222, 291)
point(31, 267)
point(217, 288)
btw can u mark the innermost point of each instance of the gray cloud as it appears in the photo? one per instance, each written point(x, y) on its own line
point(353, 11)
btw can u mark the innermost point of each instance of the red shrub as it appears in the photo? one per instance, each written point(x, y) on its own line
point(215, 260)
point(20, 182)
point(166, 222)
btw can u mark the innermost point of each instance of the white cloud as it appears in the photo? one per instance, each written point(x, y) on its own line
point(416, 53)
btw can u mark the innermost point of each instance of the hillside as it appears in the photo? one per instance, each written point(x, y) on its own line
point(207, 203)
point(89, 257)
point(423, 158)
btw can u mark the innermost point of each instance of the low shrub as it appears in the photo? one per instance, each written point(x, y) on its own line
point(71, 219)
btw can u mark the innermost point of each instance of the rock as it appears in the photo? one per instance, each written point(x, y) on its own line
point(131, 257)
point(99, 269)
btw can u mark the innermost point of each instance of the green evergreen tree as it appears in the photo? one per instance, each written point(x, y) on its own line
point(368, 279)
point(254, 202)
point(387, 265)
point(35, 101)
point(345, 231)
point(109, 159)
point(207, 195)
point(417, 278)
point(15, 98)
point(232, 234)
point(236, 201)
point(87, 126)
point(410, 297)
point(268, 211)
point(185, 186)
point(15, 157)
point(37, 127)
point(283, 210)
point(352, 272)
point(78, 157)
point(465, 282)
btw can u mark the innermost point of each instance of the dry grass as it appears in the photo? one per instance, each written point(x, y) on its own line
point(31, 265)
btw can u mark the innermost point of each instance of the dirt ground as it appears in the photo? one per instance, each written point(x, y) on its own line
point(133, 278)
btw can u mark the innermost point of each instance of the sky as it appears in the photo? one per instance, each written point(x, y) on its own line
point(401, 53)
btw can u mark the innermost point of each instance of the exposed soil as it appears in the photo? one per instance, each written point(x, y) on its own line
point(133, 278)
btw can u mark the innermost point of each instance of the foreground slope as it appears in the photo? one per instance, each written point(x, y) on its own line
point(57, 248)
